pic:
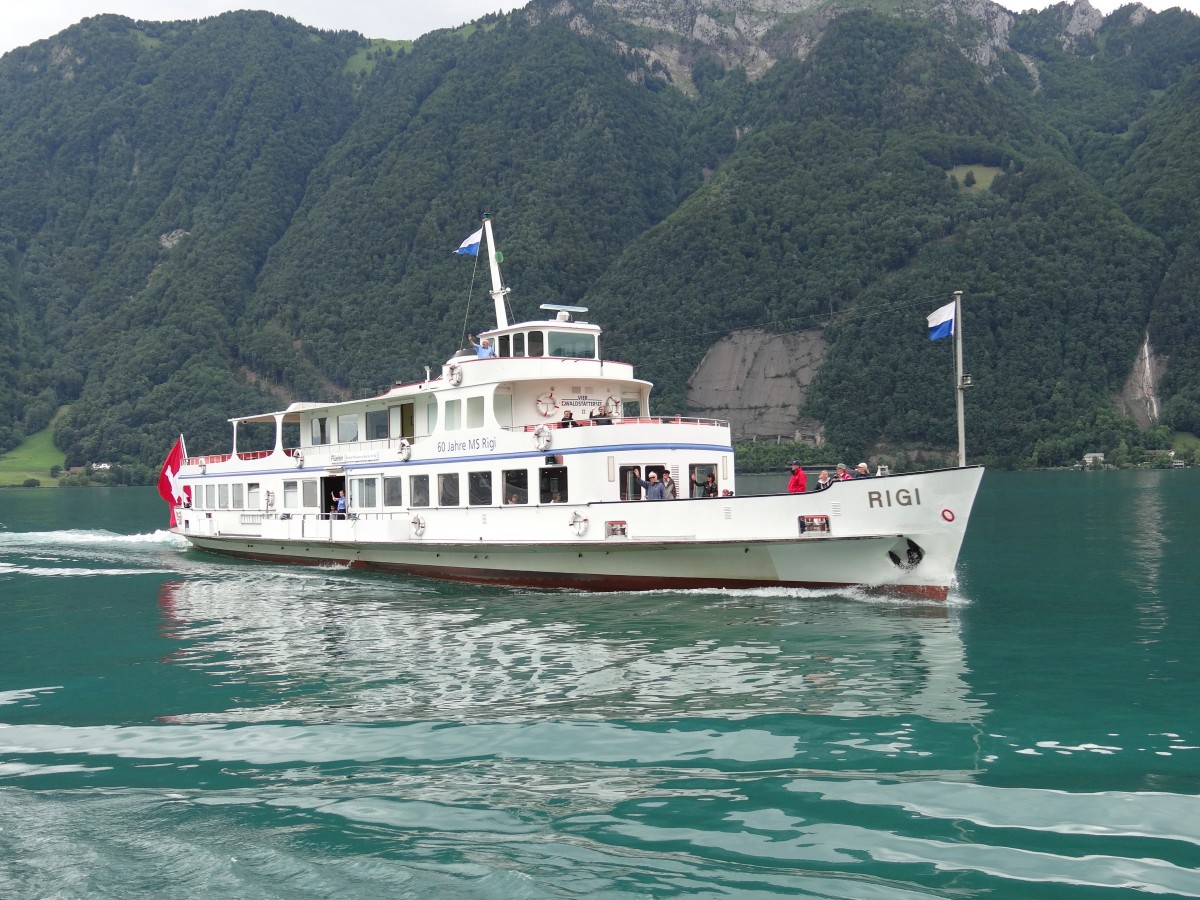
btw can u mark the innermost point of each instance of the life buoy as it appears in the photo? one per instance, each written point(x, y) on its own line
point(405, 449)
point(541, 437)
point(579, 523)
point(418, 525)
point(546, 404)
point(454, 374)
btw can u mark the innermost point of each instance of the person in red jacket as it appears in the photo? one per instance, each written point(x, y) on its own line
point(799, 481)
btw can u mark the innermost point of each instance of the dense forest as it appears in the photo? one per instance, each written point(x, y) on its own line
point(206, 219)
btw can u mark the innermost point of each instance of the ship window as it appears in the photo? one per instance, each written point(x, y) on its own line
point(516, 485)
point(320, 430)
point(235, 497)
point(347, 429)
point(697, 476)
point(291, 494)
point(430, 418)
point(252, 494)
point(631, 409)
point(393, 491)
point(448, 489)
point(210, 496)
point(502, 408)
point(572, 345)
point(223, 496)
point(401, 418)
point(504, 348)
point(535, 343)
point(364, 493)
point(631, 484)
point(479, 488)
point(418, 490)
point(552, 484)
point(474, 412)
point(519, 344)
point(377, 425)
point(453, 415)
point(312, 496)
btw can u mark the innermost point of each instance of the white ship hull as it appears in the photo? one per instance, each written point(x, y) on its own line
point(722, 542)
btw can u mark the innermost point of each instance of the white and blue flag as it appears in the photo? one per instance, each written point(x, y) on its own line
point(941, 323)
point(470, 246)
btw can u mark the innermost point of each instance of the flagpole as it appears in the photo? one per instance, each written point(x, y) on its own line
point(961, 382)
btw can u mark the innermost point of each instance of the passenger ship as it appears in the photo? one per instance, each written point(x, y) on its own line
point(474, 475)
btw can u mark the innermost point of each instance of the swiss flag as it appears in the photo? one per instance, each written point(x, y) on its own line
point(169, 487)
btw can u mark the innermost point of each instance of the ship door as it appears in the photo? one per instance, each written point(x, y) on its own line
point(331, 485)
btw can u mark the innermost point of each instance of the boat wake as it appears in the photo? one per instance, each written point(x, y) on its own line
point(24, 540)
point(80, 553)
point(852, 594)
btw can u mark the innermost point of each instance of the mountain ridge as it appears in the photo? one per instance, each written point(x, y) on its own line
point(183, 204)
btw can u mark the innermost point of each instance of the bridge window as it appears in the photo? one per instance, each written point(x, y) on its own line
point(536, 343)
point(572, 345)
point(347, 429)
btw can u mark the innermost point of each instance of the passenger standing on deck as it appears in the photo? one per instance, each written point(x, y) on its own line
point(339, 505)
point(824, 481)
point(861, 471)
point(843, 474)
point(483, 349)
point(668, 486)
point(654, 490)
point(798, 483)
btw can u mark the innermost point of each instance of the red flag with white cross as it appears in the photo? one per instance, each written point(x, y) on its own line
point(170, 488)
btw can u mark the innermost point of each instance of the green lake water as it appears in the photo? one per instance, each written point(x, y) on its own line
point(181, 726)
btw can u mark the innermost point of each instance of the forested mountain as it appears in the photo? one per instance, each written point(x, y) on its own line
point(205, 219)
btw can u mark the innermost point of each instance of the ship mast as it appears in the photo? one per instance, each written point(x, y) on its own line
point(498, 290)
point(961, 379)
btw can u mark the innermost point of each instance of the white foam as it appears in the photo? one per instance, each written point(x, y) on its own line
point(84, 537)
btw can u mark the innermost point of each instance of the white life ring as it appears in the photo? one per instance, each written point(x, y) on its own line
point(541, 437)
point(454, 374)
point(405, 449)
point(418, 525)
point(579, 523)
point(546, 404)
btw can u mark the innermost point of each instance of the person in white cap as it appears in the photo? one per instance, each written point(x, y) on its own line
point(861, 471)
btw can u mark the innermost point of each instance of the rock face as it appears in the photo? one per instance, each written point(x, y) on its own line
point(1139, 398)
point(671, 35)
point(757, 380)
